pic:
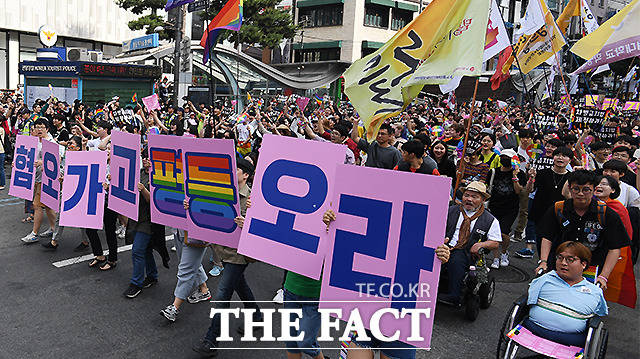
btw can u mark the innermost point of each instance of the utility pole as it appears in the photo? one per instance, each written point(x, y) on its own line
point(176, 52)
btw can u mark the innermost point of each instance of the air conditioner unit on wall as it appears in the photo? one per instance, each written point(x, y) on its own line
point(77, 54)
point(95, 56)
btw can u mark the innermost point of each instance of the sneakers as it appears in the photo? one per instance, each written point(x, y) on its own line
point(215, 271)
point(516, 237)
point(504, 260)
point(198, 296)
point(120, 232)
point(29, 238)
point(81, 247)
point(149, 282)
point(525, 253)
point(279, 298)
point(47, 233)
point(170, 312)
point(173, 248)
point(132, 291)
point(205, 348)
point(50, 247)
point(496, 263)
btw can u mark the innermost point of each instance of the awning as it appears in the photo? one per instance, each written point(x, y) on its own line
point(308, 3)
point(317, 45)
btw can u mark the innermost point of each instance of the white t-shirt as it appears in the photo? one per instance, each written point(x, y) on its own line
point(92, 145)
point(629, 196)
point(493, 235)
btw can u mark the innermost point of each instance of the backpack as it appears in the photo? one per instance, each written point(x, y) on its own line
point(602, 209)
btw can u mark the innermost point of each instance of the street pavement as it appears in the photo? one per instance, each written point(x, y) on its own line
point(77, 312)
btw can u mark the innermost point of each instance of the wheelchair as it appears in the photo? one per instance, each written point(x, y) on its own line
point(478, 287)
point(595, 346)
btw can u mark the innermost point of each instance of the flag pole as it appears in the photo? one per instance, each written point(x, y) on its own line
point(466, 140)
point(633, 59)
point(211, 90)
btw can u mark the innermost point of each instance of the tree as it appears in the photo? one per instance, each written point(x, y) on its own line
point(149, 21)
point(262, 23)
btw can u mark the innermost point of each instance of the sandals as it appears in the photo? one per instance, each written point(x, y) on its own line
point(95, 262)
point(28, 219)
point(108, 265)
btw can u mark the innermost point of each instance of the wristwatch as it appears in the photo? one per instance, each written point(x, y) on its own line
point(542, 260)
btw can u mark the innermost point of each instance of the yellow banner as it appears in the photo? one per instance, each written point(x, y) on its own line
point(572, 9)
point(445, 40)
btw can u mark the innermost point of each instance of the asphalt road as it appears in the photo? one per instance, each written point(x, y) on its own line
point(77, 312)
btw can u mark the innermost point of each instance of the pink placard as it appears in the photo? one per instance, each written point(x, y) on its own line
point(124, 168)
point(151, 102)
point(211, 187)
point(82, 191)
point(383, 241)
point(631, 105)
point(524, 337)
point(302, 102)
point(290, 193)
point(23, 175)
point(165, 181)
point(50, 195)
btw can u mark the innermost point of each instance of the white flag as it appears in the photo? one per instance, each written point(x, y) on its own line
point(497, 38)
point(533, 19)
point(451, 85)
point(630, 74)
point(590, 21)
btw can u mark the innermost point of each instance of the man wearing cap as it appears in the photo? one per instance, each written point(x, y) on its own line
point(469, 228)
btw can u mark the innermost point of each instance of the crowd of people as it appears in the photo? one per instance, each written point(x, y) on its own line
point(512, 180)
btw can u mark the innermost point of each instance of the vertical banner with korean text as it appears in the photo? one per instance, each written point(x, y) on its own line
point(23, 173)
point(166, 181)
point(124, 168)
point(82, 189)
point(381, 252)
point(290, 193)
point(50, 195)
point(211, 187)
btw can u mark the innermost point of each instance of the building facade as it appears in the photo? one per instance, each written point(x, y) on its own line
point(92, 24)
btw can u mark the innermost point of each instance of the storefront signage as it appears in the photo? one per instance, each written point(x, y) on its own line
point(144, 42)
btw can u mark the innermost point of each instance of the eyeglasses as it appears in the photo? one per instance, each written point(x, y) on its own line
point(569, 259)
point(584, 190)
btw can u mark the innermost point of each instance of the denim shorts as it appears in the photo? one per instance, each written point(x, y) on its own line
point(393, 350)
point(309, 323)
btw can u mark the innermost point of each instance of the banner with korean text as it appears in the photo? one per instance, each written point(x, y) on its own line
point(23, 173)
point(50, 195)
point(124, 169)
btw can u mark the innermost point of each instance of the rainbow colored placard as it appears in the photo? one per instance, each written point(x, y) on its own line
point(535, 151)
point(166, 181)
point(515, 162)
point(610, 103)
point(437, 131)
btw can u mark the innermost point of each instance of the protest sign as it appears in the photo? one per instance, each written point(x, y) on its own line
point(211, 187)
point(82, 191)
point(166, 181)
point(151, 102)
point(302, 102)
point(289, 196)
point(610, 103)
point(591, 100)
point(588, 117)
point(383, 243)
point(23, 174)
point(607, 133)
point(124, 168)
point(542, 163)
point(631, 106)
point(545, 120)
point(123, 115)
point(50, 195)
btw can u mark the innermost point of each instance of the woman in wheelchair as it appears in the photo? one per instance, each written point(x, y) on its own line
point(563, 300)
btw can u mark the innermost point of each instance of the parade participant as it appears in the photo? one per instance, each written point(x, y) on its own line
point(599, 153)
point(61, 134)
point(379, 153)
point(339, 135)
point(608, 191)
point(41, 128)
point(3, 139)
point(549, 183)
point(453, 135)
point(488, 154)
point(525, 137)
point(440, 154)
point(629, 196)
point(624, 154)
point(469, 228)
point(584, 220)
point(474, 168)
point(562, 300)
point(413, 159)
point(505, 184)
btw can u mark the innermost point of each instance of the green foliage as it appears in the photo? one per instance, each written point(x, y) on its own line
point(149, 21)
point(262, 23)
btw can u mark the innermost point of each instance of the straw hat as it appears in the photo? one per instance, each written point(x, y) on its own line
point(477, 186)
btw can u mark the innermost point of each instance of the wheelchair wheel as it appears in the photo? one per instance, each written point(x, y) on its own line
point(603, 345)
point(471, 307)
point(486, 292)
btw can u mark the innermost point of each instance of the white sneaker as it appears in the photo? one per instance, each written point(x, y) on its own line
point(170, 312)
point(47, 233)
point(504, 260)
point(279, 298)
point(30, 238)
point(496, 263)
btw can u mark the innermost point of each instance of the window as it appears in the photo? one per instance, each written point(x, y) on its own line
point(75, 43)
point(317, 16)
point(376, 16)
point(368, 51)
point(28, 46)
point(109, 51)
point(400, 18)
point(315, 55)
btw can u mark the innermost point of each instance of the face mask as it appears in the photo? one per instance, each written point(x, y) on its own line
point(505, 162)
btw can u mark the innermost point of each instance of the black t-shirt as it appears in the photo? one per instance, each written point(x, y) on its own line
point(586, 230)
point(447, 168)
point(504, 198)
point(548, 191)
point(62, 135)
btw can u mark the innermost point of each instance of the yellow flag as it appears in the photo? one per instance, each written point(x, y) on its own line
point(445, 40)
point(572, 9)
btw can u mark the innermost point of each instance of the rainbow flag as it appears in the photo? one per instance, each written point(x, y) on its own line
point(318, 100)
point(99, 111)
point(621, 285)
point(242, 118)
point(515, 162)
point(536, 151)
point(244, 148)
point(230, 18)
point(134, 98)
point(437, 131)
point(591, 273)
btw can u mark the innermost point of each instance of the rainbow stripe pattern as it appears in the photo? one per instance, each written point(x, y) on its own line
point(166, 177)
point(229, 17)
point(437, 131)
point(591, 273)
point(211, 187)
point(515, 162)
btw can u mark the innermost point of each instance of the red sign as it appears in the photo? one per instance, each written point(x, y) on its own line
point(74, 83)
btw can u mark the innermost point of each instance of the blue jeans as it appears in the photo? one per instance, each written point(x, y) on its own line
point(575, 339)
point(3, 176)
point(393, 350)
point(142, 258)
point(530, 229)
point(232, 280)
point(309, 324)
point(456, 269)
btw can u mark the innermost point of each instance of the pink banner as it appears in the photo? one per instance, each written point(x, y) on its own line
point(151, 102)
point(382, 248)
point(23, 173)
point(211, 187)
point(631, 106)
point(524, 337)
point(82, 190)
point(609, 103)
point(166, 182)
point(302, 102)
point(613, 52)
point(124, 168)
point(50, 196)
point(290, 194)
